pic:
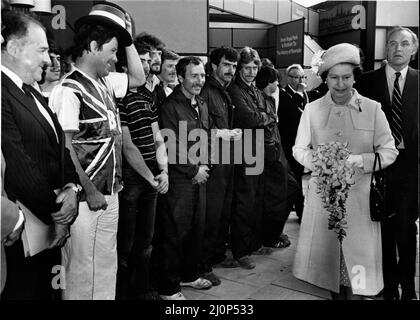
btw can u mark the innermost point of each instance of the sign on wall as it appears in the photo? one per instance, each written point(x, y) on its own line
point(289, 43)
point(344, 16)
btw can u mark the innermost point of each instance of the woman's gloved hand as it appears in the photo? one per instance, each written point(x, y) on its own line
point(356, 160)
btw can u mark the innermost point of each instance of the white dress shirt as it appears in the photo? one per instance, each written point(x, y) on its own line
point(390, 78)
point(16, 80)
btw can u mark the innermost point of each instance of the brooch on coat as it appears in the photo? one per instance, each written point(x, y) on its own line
point(359, 102)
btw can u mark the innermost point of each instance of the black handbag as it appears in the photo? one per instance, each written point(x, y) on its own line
point(378, 189)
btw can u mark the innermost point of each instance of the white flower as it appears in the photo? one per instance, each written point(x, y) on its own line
point(317, 61)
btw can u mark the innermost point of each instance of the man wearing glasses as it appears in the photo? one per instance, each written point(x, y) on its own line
point(292, 100)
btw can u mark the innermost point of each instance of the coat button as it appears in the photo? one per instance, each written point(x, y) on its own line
point(339, 133)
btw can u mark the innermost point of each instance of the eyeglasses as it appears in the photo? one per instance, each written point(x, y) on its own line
point(298, 77)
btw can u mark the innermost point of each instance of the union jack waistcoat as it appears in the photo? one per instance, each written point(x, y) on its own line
point(99, 140)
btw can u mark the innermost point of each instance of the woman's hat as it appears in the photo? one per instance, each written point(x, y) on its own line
point(108, 14)
point(340, 53)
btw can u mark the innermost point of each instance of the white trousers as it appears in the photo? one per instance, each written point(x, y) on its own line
point(90, 254)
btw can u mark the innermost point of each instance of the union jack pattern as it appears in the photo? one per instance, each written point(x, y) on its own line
point(99, 141)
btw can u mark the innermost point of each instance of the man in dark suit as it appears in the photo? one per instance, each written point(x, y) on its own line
point(39, 172)
point(11, 225)
point(395, 86)
point(292, 100)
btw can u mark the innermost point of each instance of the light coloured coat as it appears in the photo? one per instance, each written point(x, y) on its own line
point(362, 123)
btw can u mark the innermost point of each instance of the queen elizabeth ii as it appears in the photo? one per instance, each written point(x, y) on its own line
point(354, 268)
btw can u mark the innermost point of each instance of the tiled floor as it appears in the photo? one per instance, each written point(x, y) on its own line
point(272, 278)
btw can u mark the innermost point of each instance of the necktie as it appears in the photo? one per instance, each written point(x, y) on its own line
point(34, 95)
point(27, 89)
point(396, 111)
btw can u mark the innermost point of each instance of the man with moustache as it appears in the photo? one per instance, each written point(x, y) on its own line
point(249, 189)
point(167, 76)
point(39, 171)
point(182, 226)
point(145, 173)
point(86, 108)
point(395, 86)
point(221, 70)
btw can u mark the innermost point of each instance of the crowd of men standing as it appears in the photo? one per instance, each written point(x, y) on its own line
point(97, 162)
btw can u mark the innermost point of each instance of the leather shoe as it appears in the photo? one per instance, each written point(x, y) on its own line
point(175, 296)
point(215, 281)
point(199, 284)
point(246, 262)
point(229, 262)
point(263, 251)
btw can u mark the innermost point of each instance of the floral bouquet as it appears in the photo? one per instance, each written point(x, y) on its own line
point(334, 180)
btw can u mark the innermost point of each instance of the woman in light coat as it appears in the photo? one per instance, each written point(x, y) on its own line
point(345, 116)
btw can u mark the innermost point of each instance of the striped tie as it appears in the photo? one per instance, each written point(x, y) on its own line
point(396, 111)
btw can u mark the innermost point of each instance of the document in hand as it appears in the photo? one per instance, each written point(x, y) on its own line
point(36, 235)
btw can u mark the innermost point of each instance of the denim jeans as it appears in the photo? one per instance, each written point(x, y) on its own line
point(135, 234)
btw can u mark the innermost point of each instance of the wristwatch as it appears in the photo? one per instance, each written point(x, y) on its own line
point(75, 187)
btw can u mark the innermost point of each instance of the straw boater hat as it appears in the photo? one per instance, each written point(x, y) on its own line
point(108, 14)
point(340, 53)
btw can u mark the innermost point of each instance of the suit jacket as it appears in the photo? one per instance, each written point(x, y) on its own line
point(291, 106)
point(9, 218)
point(374, 85)
point(32, 153)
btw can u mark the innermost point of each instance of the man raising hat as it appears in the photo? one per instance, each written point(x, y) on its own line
point(85, 105)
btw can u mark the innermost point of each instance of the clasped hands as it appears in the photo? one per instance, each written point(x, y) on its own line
point(202, 175)
point(161, 183)
point(64, 217)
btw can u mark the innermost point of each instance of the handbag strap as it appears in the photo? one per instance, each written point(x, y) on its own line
point(377, 159)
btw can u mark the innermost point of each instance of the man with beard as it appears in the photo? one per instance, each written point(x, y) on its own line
point(86, 108)
point(39, 172)
point(221, 70)
point(250, 113)
point(145, 173)
point(156, 47)
point(182, 226)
